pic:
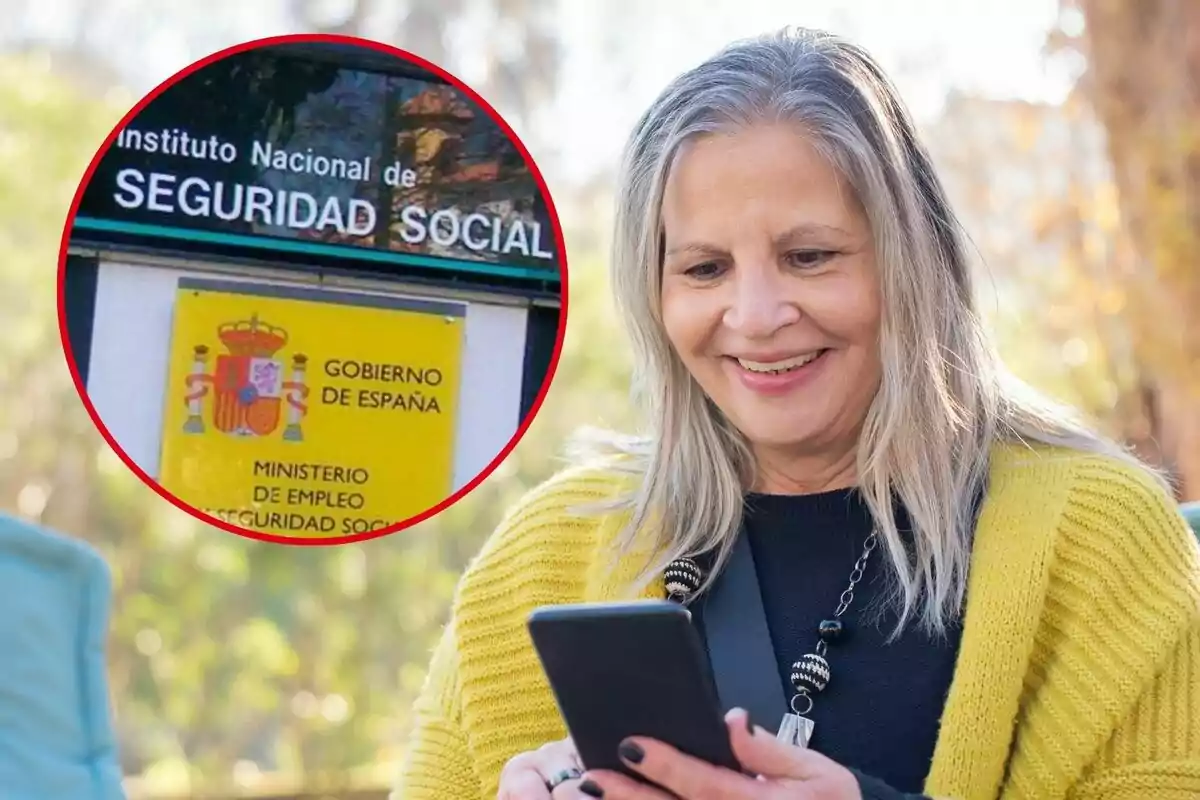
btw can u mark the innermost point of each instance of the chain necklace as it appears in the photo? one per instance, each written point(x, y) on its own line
point(810, 674)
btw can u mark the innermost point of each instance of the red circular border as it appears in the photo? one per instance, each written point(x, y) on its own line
point(558, 238)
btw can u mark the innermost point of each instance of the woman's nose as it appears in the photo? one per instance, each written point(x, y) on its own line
point(760, 302)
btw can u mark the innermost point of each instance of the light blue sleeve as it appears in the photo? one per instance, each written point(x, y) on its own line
point(56, 736)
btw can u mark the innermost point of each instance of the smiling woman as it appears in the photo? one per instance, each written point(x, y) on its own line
point(926, 578)
point(770, 293)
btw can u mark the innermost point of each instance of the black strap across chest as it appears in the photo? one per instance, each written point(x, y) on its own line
point(739, 642)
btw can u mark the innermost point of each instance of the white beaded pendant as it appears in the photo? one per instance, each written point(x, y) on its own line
point(682, 577)
point(810, 673)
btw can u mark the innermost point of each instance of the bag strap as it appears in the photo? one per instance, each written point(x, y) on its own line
point(739, 643)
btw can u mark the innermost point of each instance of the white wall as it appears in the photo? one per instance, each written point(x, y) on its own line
point(131, 337)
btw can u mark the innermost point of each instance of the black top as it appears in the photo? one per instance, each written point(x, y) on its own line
point(879, 714)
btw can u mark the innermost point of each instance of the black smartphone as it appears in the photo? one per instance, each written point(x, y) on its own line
point(631, 669)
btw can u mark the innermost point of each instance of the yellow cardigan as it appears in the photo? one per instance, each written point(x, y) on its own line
point(1078, 674)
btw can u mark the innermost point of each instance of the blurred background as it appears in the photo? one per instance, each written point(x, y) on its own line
point(1068, 133)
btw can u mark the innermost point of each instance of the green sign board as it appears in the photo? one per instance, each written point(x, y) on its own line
point(271, 151)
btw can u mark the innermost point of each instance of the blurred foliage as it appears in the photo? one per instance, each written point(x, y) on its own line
point(1086, 215)
point(1143, 69)
point(228, 658)
point(231, 659)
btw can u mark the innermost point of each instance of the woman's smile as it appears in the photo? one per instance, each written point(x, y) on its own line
point(778, 376)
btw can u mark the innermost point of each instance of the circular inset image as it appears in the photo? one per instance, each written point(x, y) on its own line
point(311, 289)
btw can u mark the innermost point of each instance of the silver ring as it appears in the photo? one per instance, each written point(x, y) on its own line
point(562, 776)
point(807, 708)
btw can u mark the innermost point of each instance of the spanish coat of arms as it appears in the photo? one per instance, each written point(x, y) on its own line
point(248, 389)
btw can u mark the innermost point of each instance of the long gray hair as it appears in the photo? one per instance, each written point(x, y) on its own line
point(944, 399)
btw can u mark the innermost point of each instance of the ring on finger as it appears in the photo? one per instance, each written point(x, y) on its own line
point(562, 776)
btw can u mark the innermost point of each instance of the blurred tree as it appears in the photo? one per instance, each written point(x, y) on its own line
point(231, 660)
point(1143, 70)
point(1085, 214)
point(508, 50)
point(1032, 184)
point(514, 66)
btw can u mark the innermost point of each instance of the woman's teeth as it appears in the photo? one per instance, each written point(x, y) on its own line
point(776, 367)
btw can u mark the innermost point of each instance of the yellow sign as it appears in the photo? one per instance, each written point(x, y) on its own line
point(307, 414)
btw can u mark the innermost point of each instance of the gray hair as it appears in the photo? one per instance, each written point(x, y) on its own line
point(945, 398)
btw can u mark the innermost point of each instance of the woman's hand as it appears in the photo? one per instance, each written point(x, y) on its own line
point(785, 772)
point(527, 776)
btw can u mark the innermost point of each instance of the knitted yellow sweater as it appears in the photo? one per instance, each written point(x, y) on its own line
point(1078, 674)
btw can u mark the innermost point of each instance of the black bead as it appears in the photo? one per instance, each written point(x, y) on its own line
point(830, 630)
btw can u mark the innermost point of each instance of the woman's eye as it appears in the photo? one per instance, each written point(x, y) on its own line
point(809, 258)
point(704, 271)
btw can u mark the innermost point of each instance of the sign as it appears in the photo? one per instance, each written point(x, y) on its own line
point(263, 147)
point(310, 414)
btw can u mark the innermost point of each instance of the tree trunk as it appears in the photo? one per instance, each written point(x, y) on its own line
point(1142, 79)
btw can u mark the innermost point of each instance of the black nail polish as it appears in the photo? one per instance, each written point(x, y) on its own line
point(749, 724)
point(631, 752)
point(591, 789)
